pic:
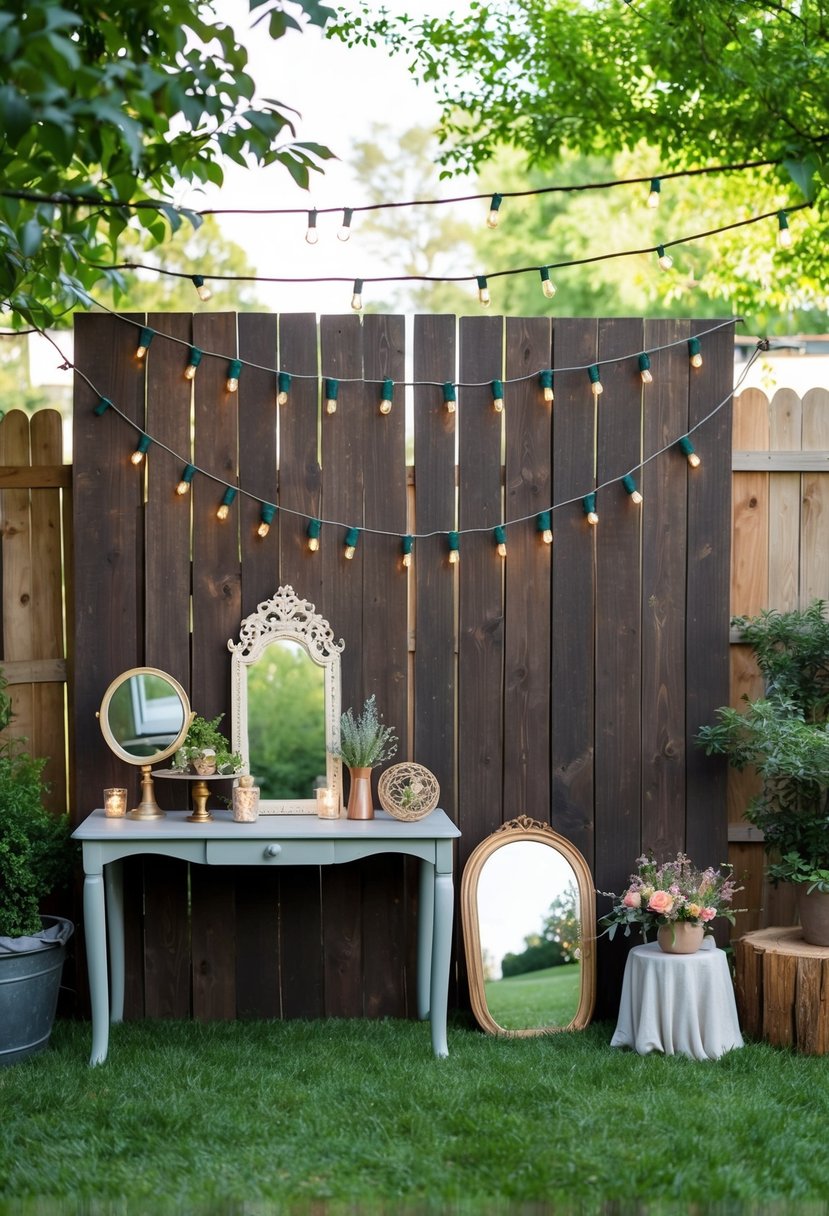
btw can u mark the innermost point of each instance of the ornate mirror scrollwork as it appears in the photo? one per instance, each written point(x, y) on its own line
point(144, 717)
point(285, 703)
point(529, 914)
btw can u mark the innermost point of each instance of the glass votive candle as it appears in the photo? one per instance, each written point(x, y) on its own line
point(327, 804)
point(115, 803)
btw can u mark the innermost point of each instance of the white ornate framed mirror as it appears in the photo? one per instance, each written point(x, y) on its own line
point(528, 909)
point(144, 717)
point(285, 703)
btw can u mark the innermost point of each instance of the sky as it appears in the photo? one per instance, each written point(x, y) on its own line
point(339, 92)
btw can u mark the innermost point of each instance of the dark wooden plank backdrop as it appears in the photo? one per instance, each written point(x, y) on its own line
point(564, 682)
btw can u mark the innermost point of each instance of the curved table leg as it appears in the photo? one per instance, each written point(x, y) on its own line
point(114, 888)
point(96, 958)
point(441, 956)
point(425, 937)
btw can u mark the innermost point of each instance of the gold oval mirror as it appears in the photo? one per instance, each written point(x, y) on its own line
point(144, 717)
point(528, 913)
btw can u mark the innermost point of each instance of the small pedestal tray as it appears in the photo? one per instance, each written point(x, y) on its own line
point(200, 791)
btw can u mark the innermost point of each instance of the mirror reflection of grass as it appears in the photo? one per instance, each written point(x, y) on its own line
point(538, 998)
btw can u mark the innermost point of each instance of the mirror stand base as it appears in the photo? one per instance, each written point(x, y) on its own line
point(199, 794)
point(147, 808)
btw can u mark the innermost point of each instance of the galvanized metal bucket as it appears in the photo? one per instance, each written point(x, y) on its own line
point(29, 986)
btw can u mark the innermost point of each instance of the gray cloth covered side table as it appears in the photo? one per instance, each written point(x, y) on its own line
point(679, 1004)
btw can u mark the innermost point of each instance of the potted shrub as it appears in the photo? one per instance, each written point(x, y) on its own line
point(784, 735)
point(206, 750)
point(364, 742)
point(35, 859)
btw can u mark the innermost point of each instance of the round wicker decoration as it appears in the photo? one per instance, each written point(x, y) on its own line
point(408, 791)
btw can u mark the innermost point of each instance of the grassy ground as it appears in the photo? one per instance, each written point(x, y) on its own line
point(548, 997)
point(251, 1119)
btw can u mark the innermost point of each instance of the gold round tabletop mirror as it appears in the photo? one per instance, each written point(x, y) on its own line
point(144, 717)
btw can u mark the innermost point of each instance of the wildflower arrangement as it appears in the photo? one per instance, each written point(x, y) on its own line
point(674, 891)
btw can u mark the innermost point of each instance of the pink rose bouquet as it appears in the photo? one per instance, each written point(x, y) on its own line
point(674, 891)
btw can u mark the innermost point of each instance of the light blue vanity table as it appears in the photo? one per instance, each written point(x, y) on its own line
point(273, 840)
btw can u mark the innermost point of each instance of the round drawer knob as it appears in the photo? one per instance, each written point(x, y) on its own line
point(273, 850)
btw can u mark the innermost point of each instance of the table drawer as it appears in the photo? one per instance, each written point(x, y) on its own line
point(265, 852)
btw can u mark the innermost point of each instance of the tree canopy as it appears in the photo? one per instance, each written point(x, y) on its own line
point(117, 105)
point(664, 84)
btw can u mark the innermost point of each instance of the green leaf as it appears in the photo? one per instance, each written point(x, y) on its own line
point(31, 236)
point(15, 114)
point(802, 173)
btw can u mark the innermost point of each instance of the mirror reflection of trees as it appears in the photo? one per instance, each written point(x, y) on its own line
point(286, 722)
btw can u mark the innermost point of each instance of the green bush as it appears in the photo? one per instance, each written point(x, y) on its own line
point(785, 737)
point(35, 855)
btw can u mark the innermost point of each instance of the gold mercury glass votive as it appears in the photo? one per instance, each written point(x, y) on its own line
point(115, 803)
point(327, 806)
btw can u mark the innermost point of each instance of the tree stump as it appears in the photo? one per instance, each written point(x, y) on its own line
point(782, 988)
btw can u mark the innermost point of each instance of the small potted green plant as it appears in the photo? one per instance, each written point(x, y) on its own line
point(35, 860)
point(364, 743)
point(784, 735)
point(206, 750)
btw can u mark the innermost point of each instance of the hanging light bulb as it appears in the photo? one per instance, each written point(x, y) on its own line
point(548, 287)
point(544, 526)
point(386, 396)
point(225, 505)
point(332, 391)
point(234, 371)
point(144, 339)
point(494, 207)
point(694, 352)
point(665, 259)
point(630, 485)
point(202, 290)
point(406, 544)
point(193, 361)
point(483, 291)
point(283, 386)
point(357, 295)
point(497, 396)
point(656, 188)
point(265, 519)
point(784, 234)
point(344, 233)
point(454, 541)
point(595, 382)
point(141, 450)
point(545, 379)
point(687, 448)
point(188, 473)
point(313, 533)
point(311, 234)
point(500, 536)
point(589, 505)
point(645, 368)
point(103, 405)
point(449, 398)
point(350, 543)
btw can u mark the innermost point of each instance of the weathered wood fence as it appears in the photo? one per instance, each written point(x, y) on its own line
point(565, 682)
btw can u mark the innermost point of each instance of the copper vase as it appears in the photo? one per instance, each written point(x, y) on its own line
point(360, 805)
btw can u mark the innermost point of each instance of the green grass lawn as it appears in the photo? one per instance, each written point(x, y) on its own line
point(548, 997)
point(350, 1117)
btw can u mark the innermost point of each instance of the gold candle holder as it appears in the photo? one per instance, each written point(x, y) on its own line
point(327, 804)
point(115, 803)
